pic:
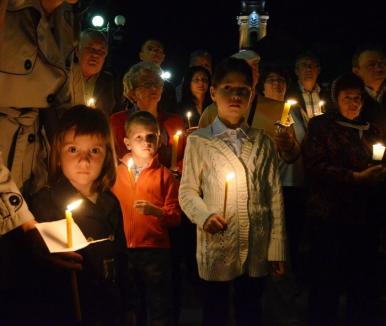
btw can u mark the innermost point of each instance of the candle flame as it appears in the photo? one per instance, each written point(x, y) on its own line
point(179, 133)
point(130, 163)
point(91, 102)
point(188, 114)
point(74, 205)
point(291, 102)
point(321, 103)
point(378, 145)
point(230, 176)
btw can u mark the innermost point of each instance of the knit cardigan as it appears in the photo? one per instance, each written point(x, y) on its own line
point(256, 232)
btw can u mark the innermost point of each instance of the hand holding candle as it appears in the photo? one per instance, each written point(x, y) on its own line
point(229, 177)
point(176, 137)
point(286, 110)
point(378, 151)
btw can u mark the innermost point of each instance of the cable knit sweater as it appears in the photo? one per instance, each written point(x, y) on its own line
point(255, 233)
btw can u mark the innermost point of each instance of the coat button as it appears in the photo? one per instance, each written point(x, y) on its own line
point(31, 138)
point(27, 64)
point(50, 98)
point(14, 200)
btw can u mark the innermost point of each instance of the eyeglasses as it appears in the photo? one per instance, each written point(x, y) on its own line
point(373, 64)
point(150, 84)
point(275, 80)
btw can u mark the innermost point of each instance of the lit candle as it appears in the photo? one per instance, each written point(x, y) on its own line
point(91, 102)
point(69, 220)
point(130, 163)
point(320, 108)
point(286, 110)
point(176, 138)
point(189, 115)
point(228, 178)
point(378, 151)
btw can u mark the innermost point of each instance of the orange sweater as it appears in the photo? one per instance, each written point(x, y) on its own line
point(157, 185)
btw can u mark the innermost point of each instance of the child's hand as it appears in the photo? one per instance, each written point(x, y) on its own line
point(215, 223)
point(146, 208)
point(278, 268)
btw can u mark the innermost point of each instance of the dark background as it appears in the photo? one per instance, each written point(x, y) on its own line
point(331, 29)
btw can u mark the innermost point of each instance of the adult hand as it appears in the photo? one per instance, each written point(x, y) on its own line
point(284, 140)
point(215, 223)
point(372, 175)
point(147, 208)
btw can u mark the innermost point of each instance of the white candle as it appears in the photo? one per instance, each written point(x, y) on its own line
point(176, 138)
point(320, 108)
point(228, 178)
point(91, 102)
point(378, 151)
point(189, 115)
point(69, 220)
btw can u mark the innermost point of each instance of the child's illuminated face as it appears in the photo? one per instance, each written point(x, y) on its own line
point(142, 140)
point(81, 159)
point(232, 96)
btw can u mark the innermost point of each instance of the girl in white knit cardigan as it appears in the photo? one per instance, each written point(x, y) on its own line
point(233, 249)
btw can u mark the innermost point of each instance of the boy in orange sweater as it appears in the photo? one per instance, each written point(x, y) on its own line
point(148, 195)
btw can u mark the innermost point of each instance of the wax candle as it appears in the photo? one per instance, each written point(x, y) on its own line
point(69, 220)
point(286, 110)
point(320, 108)
point(228, 178)
point(176, 138)
point(378, 151)
point(189, 115)
point(91, 102)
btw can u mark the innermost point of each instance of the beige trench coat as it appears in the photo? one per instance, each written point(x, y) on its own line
point(35, 62)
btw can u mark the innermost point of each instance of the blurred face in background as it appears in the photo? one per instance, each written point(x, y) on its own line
point(92, 56)
point(275, 87)
point(152, 51)
point(350, 103)
point(203, 61)
point(307, 70)
point(199, 84)
point(147, 92)
point(371, 69)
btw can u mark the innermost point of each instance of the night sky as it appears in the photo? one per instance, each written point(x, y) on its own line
point(332, 29)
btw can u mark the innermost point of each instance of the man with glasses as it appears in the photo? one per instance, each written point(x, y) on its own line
point(91, 85)
point(369, 63)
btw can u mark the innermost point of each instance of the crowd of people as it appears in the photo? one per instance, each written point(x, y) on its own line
point(208, 182)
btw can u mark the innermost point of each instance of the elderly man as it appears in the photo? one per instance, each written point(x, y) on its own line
point(154, 51)
point(306, 91)
point(369, 63)
point(90, 84)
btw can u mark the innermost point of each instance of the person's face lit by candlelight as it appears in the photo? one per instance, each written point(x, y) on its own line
point(148, 91)
point(350, 103)
point(275, 86)
point(153, 51)
point(199, 84)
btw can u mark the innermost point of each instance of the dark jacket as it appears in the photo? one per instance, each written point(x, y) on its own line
point(99, 281)
point(332, 151)
point(375, 113)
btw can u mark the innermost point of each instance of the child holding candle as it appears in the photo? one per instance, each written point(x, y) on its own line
point(82, 166)
point(233, 250)
point(148, 196)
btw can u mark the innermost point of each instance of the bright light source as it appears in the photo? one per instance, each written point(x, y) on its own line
point(165, 75)
point(97, 21)
point(120, 20)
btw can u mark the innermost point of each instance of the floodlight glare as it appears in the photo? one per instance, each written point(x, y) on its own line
point(165, 75)
point(97, 21)
point(120, 20)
